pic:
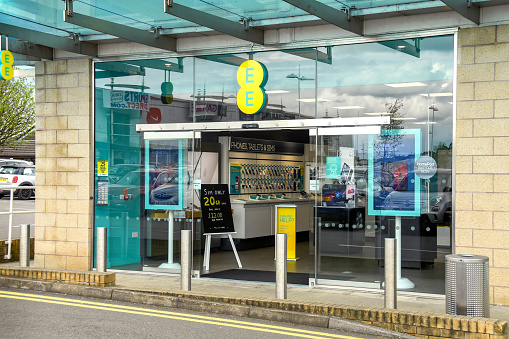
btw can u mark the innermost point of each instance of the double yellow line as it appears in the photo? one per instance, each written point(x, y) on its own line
point(172, 315)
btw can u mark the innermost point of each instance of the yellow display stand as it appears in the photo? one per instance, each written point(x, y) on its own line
point(286, 222)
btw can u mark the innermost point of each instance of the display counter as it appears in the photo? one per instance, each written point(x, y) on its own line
point(255, 218)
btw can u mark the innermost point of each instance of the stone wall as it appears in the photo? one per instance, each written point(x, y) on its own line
point(64, 172)
point(482, 161)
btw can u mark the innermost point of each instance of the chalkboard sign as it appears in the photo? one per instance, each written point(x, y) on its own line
point(216, 209)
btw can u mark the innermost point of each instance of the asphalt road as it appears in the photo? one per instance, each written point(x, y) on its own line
point(43, 315)
point(17, 205)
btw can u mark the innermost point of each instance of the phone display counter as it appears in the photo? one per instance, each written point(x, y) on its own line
point(255, 218)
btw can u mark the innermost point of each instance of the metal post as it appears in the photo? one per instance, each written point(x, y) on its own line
point(9, 244)
point(391, 275)
point(281, 266)
point(24, 246)
point(101, 254)
point(185, 259)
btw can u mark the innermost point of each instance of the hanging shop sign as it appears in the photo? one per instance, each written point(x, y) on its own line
point(425, 167)
point(265, 146)
point(6, 68)
point(125, 99)
point(166, 92)
point(252, 77)
point(393, 187)
point(216, 209)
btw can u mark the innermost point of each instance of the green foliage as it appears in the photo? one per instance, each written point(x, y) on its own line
point(17, 111)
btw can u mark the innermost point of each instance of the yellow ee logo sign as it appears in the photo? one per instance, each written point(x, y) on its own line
point(252, 77)
point(6, 70)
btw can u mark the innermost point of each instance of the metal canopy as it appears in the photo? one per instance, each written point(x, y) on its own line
point(50, 40)
point(339, 18)
point(27, 49)
point(153, 39)
point(238, 30)
point(466, 9)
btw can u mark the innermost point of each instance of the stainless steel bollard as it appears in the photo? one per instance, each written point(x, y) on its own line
point(185, 259)
point(391, 274)
point(281, 276)
point(24, 246)
point(101, 253)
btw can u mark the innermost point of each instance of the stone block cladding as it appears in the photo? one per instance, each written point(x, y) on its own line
point(64, 166)
point(482, 152)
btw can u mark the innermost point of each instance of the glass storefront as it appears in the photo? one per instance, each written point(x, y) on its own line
point(360, 188)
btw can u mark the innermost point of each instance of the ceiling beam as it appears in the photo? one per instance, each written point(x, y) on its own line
point(334, 16)
point(27, 48)
point(466, 9)
point(49, 40)
point(232, 28)
point(153, 39)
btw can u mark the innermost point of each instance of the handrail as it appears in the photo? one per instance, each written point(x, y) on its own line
point(12, 188)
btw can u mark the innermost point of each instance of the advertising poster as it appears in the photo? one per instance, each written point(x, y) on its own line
point(216, 209)
point(164, 175)
point(393, 186)
point(286, 216)
point(235, 178)
point(333, 168)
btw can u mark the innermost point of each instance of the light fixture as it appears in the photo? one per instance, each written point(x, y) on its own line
point(348, 107)
point(401, 47)
point(168, 65)
point(446, 94)
point(404, 118)
point(277, 91)
point(312, 100)
point(346, 130)
point(406, 84)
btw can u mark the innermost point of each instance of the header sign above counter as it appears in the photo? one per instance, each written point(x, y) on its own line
point(265, 146)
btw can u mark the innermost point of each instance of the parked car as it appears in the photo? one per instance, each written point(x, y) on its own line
point(5, 162)
point(17, 175)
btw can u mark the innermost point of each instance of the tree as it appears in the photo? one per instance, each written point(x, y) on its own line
point(17, 112)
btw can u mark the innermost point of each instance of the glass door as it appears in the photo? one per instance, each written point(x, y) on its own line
point(345, 235)
point(171, 196)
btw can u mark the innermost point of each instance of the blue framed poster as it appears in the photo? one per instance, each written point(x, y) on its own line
point(393, 187)
point(164, 179)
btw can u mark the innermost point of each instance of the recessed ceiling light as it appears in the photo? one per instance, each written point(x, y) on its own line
point(168, 65)
point(312, 100)
point(277, 91)
point(447, 94)
point(348, 107)
point(406, 84)
point(401, 47)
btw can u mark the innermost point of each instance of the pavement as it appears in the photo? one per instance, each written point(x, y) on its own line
point(136, 285)
point(413, 302)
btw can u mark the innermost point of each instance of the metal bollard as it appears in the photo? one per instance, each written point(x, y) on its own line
point(24, 246)
point(281, 276)
point(102, 249)
point(391, 278)
point(185, 259)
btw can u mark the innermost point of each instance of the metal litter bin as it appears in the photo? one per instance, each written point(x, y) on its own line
point(467, 285)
